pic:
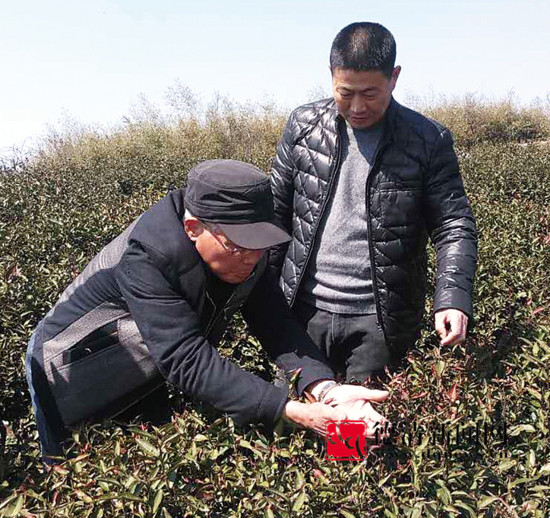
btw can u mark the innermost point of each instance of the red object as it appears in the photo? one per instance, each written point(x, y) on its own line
point(346, 440)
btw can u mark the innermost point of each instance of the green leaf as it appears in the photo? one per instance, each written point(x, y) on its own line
point(540, 488)
point(439, 367)
point(83, 496)
point(299, 502)
point(430, 509)
point(516, 430)
point(486, 501)
point(300, 481)
point(158, 499)
point(422, 446)
point(357, 468)
point(506, 465)
point(13, 509)
point(130, 496)
point(172, 476)
point(147, 447)
point(466, 507)
point(444, 495)
point(143, 433)
point(246, 444)
point(278, 493)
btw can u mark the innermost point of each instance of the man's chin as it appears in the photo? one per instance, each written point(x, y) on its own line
point(235, 278)
point(360, 123)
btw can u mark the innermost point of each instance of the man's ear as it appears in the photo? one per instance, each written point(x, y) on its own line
point(193, 228)
point(395, 76)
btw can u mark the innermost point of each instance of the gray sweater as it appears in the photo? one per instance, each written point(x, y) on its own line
point(338, 276)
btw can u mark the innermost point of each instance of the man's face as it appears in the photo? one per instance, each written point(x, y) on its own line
point(362, 97)
point(215, 249)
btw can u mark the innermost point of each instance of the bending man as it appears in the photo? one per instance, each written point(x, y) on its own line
point(153, 303)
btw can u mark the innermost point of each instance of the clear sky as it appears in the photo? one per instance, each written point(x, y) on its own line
point(92, 59)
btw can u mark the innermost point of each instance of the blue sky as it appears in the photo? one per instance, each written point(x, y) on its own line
point(92, 60)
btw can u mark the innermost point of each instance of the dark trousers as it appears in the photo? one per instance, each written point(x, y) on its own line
point(354, 345)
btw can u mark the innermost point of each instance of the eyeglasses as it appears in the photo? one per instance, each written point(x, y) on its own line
point(227, 244)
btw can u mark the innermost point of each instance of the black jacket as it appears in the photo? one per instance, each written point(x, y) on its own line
point(414, 190)
point(146, 309)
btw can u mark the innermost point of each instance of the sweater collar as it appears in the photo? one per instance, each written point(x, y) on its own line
point(390, 119)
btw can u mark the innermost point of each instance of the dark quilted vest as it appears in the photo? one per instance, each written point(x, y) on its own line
point(414, 190)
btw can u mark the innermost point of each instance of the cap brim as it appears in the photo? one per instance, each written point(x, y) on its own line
point(255, 235)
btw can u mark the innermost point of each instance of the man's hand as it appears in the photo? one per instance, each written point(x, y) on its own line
point(355, 401)
point(362, 410)
point(351, 402)
point(342, 394)
point(314, 416)
point(451, 326)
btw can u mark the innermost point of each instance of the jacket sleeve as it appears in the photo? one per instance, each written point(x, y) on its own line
point(282, 178)
point(452, 228)
point(282, 335)
point(171, 330)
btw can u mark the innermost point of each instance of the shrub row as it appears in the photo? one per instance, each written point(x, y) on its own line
point(474, 119)
point(60, 208)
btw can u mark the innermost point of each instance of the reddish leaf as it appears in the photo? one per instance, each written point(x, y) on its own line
point(422, 394)
point(452, 394)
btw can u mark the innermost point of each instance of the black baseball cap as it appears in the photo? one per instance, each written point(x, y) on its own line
point(236, 197)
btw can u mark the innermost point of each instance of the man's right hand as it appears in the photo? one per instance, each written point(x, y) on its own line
point(356, 400)
point(314, 416)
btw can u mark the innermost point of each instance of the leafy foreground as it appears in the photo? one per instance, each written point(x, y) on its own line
point(61, 207)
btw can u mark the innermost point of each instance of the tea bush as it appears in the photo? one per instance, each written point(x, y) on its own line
point(63, 204)
point(475, 119)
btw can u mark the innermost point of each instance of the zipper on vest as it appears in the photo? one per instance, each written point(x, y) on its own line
point(213, 317)
point(216, 315)
point(324, 202)
point(373, 170)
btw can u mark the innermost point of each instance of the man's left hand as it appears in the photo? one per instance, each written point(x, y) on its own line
point(451, 326)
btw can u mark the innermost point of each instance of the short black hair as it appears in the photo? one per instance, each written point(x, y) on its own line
point(364, 46)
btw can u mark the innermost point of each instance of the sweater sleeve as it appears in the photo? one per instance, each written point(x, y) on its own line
point(171, 330)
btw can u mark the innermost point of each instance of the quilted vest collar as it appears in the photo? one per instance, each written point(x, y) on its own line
point(333, 119)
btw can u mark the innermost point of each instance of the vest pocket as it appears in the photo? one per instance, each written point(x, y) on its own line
point(99, 340)
point(105, 375)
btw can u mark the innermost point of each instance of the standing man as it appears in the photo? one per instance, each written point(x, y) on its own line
point(361, 182)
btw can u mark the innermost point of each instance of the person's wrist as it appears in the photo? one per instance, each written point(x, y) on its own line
point(326, 390)
point(320, 389)
point(291, 410)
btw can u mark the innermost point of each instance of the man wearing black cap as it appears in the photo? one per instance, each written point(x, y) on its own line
point(153, 303)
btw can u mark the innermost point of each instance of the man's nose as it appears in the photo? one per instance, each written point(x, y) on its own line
point(357, 105)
